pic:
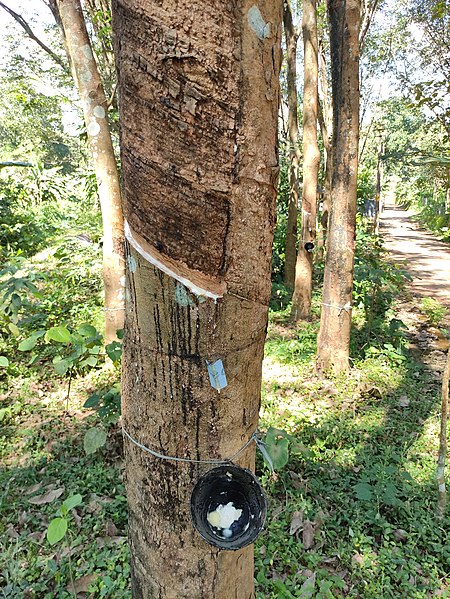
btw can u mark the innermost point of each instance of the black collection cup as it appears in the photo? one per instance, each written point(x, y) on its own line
point(211, 498)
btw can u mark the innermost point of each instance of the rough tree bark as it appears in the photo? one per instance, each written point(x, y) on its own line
point(90, 88)
point(326, 126)
point(198, 97)
point(291, 35)
point(301, 299)
point(378, 185)
point(334, 333)
point(442, 455)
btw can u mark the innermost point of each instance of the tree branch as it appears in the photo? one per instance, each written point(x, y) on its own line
point(369, 11)
point(5, 164)
point(21, 21)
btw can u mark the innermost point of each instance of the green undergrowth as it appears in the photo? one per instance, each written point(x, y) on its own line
point(353, 512)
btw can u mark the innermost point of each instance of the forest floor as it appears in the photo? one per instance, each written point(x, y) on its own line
point(352, 514)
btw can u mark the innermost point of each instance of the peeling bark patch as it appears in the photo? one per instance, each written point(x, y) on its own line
point(257, 23)
point(99, 112)
point(86, 76)
point(93, 128)
point(86, 49)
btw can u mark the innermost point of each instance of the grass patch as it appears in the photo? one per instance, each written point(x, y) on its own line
point(353, 514)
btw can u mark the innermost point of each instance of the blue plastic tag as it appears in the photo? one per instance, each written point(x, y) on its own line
point(217, 376)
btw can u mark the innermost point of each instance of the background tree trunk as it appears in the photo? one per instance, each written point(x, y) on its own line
point(301, 299)
point(442, 454)
point(378, 186)
point(291, 35)
point(334, 334)
point(326, 126)
point(198, 94)
point(89, 85)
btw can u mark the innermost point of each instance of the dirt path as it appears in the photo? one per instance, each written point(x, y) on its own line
point(426, 258)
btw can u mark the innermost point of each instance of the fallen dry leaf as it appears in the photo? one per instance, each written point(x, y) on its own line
point(308, 534)
point(81, 585)
point(400, 535)
point(33, 489)
point(307, 589)
point(296, 522)
point(403, 401)
point(111, 529)
point(105, 541)
point(46, 497)
point(307, 573)
point(37, 537)
point(358, 559)
point(297, 481)
point(277, 511)
point(12, 532)
point(76, 517)
point(276, 576)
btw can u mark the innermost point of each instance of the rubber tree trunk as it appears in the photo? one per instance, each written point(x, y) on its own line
point(326, 126)
point(335, 322)
point(198, 97)
point(378, 186)
point(442, 454)
point(301, 299)
point(291, 36)
point(90, 88)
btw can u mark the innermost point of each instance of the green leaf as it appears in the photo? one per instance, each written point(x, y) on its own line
point(114, 350)
point(363, 491)
point(93, 440)
point(56, 530)
point(72, 502)
point(89, 361)
point(30, 341)
point(4, 361)
point(119, 333)
point(278, 452)
point(14, 329)
point(273, 433)
point(62, 366)
point(92, 401)
point(277, 446)
point(87, 330)
point(59, 334)
point(389, 496)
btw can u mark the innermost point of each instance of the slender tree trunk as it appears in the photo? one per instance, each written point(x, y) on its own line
point(198, 95)
point(334, 333)
point(301, 299)
point(291, 35)
point(442, 456)
point(326, 125)
point(376, 224)
point(90, 88)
